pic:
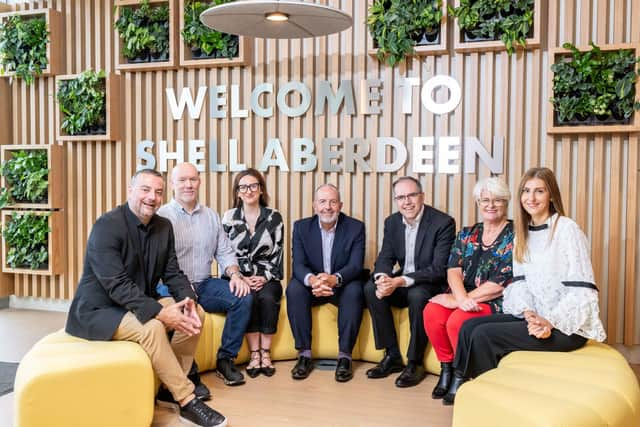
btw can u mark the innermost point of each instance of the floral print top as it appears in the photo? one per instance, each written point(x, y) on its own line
point(481, 264)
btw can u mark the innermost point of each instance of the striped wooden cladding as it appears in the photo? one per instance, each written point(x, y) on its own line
point(502, 96)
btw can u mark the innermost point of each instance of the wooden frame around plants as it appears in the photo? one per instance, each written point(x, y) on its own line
point(55, 47)
point(57, 258)
point(170, 63)
point(186, 60)
point(427, 50)
point(112, 111)
point(552, 128)
point(497, 45)
point(55, 163)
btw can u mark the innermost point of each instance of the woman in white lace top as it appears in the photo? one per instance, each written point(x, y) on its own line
point(552, 303)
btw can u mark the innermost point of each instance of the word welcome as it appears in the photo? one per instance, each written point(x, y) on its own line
point(344, 98)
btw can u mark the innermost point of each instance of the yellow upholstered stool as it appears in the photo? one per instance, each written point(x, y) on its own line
point(71, 382)
point(324, 344)
point(589, 387)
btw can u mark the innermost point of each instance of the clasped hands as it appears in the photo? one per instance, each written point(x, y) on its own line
point(537, 325)
point(322, 284)
point(449, 301)
point(181, 316)
point(385, 285)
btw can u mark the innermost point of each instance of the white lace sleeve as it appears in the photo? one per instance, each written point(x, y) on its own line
point(576, 310)
point(517, 297)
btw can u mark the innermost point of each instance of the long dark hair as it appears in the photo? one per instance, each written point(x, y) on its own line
point(264, 196)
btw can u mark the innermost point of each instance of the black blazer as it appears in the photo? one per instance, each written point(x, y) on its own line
point(347, 253)
point(436, 234)
point(113, 281)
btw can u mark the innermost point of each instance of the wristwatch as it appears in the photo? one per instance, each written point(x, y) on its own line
point(338, 280)
point(235, 272)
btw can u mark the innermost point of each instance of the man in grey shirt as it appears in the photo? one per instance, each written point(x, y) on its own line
point(199, 238)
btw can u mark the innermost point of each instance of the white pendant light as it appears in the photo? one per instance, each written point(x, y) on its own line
point(286, 19)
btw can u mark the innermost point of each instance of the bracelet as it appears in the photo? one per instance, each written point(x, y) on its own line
point(235, 272)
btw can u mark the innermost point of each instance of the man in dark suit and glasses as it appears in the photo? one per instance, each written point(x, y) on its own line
point(328, 253)
point(129, 250)
point(417, 239)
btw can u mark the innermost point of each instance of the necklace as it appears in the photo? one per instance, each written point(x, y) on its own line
point(492, 237)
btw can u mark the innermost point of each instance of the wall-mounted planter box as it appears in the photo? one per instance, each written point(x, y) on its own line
point(55, 46)
point(591, 124)
point(124, 64)
point(191, 59)
point(427, 44)
point(462, 43)
point(55, 248)
point(55, 162)
point(112, 112)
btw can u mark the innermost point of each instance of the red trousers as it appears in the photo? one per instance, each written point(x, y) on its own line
point(443, 324)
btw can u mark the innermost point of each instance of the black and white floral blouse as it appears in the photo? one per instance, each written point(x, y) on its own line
point(260, 253)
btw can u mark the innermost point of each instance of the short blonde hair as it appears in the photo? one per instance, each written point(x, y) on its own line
point(494, 185)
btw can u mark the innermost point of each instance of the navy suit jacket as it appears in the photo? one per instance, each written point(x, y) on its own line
point(347, 253)
point(436, 234)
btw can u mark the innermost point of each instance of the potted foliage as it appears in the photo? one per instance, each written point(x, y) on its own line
point(203, 42)
point(26, 236)
point(82, 102)
point(144, 32)
point(26, 176)
point(594, 86)
point(23, 46)
point(397, 26)
point(510, 21)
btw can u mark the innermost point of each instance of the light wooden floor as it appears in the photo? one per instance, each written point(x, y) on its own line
point(321, 401)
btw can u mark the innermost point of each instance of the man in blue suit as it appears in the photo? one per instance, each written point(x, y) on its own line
point(328, 253)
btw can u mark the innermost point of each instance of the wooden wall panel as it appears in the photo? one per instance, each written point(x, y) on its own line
point(502, 96)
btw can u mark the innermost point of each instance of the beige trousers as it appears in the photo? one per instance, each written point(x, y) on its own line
point(171, 360)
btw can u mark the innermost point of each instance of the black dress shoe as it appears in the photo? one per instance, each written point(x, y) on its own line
point(450, 397)
point(344, 370)
point(411, 375)
point(197, 413)
point(303, 368)
point(446, 373)
point(387, 366)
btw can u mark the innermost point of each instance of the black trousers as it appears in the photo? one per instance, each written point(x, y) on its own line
point(266, 308)
point(349, 300)
point(483, 341)
point(415, 297)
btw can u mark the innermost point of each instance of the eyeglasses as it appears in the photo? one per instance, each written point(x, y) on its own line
point(402, 197)
point(253, 187)
point(488, 202)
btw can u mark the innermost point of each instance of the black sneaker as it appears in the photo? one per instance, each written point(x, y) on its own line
point(165, 399)
point(197, 413)
point(228, 372)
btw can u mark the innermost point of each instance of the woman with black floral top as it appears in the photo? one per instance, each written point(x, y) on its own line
point(256, 233)
point(479, 269)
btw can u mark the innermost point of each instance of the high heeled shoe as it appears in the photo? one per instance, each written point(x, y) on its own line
point(253, 368)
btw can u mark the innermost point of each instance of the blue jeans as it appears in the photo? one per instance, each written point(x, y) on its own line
point(215, 296)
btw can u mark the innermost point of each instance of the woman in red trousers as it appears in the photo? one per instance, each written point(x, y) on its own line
point(480, 266)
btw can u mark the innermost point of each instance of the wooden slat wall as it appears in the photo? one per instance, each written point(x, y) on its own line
point(503, 96)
